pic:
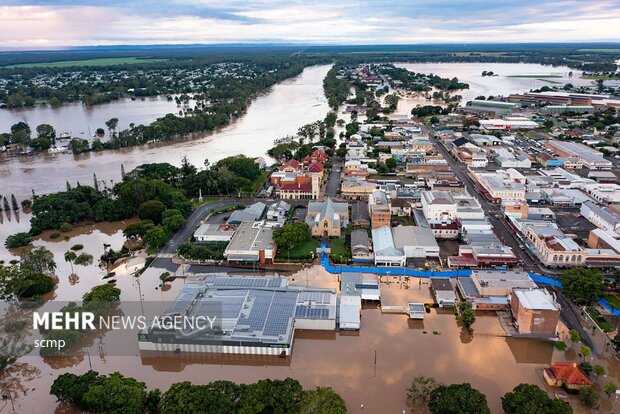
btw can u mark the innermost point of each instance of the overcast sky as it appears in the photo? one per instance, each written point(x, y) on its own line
point(57, 23)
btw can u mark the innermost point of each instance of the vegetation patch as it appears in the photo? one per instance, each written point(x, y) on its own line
point(112, 61)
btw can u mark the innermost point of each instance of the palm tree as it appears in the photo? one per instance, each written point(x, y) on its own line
point(70, 257)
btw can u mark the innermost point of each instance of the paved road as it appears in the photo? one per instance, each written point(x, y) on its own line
point(506, 233)
point(333, 181)
point(567, 315)
point(193, 220)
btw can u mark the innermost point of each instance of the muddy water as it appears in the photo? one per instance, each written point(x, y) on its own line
point(503, 84)
point(277, 113)
point(436, 347)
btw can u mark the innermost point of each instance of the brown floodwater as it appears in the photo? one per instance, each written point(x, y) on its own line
point(436, 347)
point(274, 114)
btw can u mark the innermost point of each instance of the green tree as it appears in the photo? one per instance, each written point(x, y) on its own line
point(156, 237)
point(84, 259)
point(588, 396)
point(582, 285)
point(574, 336)
point(70, 257)
point(103, 293)
point(115, 393)
point(467, 315)
point(585, 351)
point(17, 240)
point(616, 342)
point(598, 370)
point(530, 399)
point(291, 234)
point(112, 124)
point(272, 396)
point(40, 260)
point(138, 229)
point(610, 388)
point(322, 400)
point(457, 398)
point(151, 210)
point(18, 282)
point(173, 220)
point(420, 390)
point(240, 165)
point(46, 131)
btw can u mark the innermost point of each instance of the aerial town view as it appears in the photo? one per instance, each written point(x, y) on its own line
point(272, 207)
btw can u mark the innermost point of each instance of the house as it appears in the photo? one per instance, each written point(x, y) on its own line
point(400, 207)
point(444, 291)
point(361, 246)
point(327, 218)
point(566, 374)
point(291, 166)
point(252, 242)
point(386, 252)
point(359, 214)
point(255, 212)
point(534, 312)
point(278, 212)
point(421, 145)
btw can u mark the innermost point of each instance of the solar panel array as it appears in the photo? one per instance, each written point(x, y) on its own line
point(320, 298)
point(365, 286)
point(249, 282)
point(184, 299)
point(308, 312)
point(280, 314)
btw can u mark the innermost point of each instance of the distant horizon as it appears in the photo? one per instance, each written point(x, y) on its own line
point(130, 46)
point(60, 24)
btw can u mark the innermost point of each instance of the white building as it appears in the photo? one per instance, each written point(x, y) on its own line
point(415, 241)
point(207, 233)
point(386, 252)
point(601, 217)
point(438, 206)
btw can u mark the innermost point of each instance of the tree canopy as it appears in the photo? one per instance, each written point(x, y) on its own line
point(457, 398)
point(582, 285)
point(529, 399)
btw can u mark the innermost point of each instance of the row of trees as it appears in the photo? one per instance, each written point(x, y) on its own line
point(116, 393)
point(427, 393)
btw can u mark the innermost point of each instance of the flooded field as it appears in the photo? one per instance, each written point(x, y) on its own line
point(511, 77)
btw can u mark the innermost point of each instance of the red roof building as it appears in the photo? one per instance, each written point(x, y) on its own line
point(566, 374)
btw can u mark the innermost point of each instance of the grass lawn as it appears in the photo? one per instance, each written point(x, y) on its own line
point(404, 220)
point(599, 319)
point(338, 248)
point(613, 300)
point(259, 181)
point(301, 250)
point(88, 62)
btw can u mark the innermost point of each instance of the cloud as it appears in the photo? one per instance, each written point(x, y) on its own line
point(58, 23)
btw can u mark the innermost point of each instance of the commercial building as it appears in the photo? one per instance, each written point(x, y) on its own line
point(443, 291)
point(252, 242)
point(379, 208)
point(356, 189)
point(438, 206)
point(492, 108)
point(601, 217)
point(590, 157)
point(534, 312)
point(255, 212)
point(278, 212)
point(501, 184)
point(416, 242)
point(359, 214)
point(386, 252)
point(208, 233)
point(256, 316)
point(506, 158)
point(507, 125)
point(552, 246)
point(490, 289)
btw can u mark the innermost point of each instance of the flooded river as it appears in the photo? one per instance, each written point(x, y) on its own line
point(276, 113)
point(404, 349)
point(508, 78)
